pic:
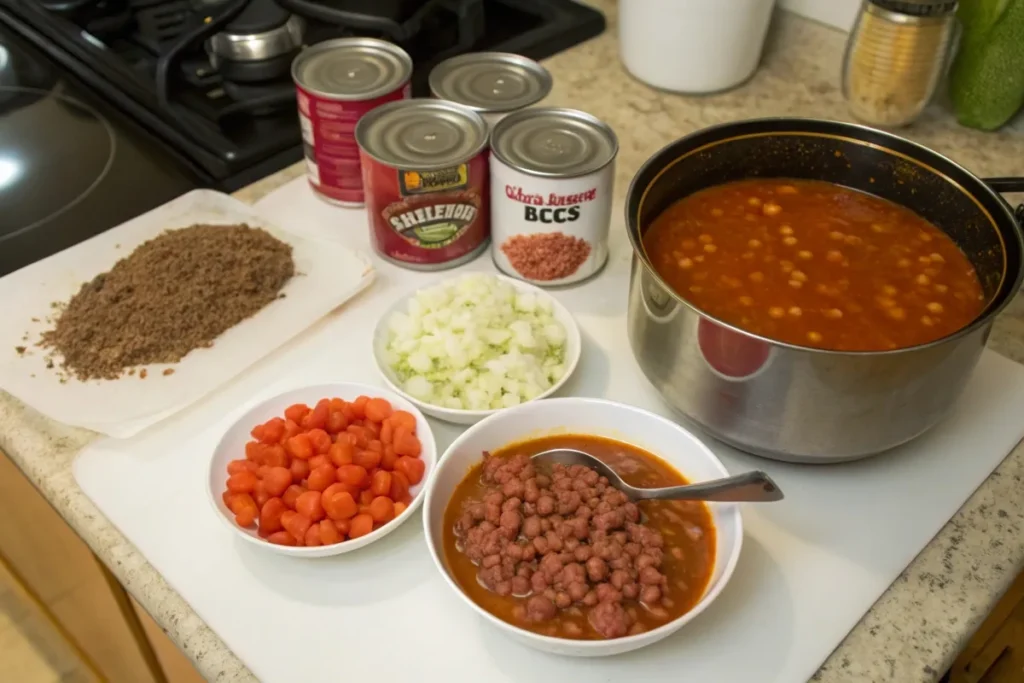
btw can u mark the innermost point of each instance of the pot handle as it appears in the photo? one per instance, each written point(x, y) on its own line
point(1011, 184)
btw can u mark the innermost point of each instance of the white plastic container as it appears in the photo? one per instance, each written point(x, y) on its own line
point(693, 46)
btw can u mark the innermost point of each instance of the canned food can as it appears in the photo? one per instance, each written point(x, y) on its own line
point(552, 175)
point(425, 172)
point(338, 81)
point(492, 84)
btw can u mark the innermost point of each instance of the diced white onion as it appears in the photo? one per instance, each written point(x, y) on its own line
point(476, 344)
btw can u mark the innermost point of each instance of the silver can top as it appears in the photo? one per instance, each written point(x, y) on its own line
point(918, 8)
point(352, 68)
point(422, 134)
point(554, 142)
point(490, 81)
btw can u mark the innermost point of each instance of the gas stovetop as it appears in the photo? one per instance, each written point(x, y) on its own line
point(234, 119)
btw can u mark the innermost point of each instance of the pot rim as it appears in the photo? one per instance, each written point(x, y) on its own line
point(993, 308)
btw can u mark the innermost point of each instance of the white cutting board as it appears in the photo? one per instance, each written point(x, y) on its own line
point(811, 566)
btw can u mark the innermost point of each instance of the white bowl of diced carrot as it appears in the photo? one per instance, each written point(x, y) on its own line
point(322, 470)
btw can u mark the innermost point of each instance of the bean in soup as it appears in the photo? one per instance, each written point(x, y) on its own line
point(814, 264)
point(563, 554)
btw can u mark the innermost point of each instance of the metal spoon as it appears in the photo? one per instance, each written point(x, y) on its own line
point(750, 487)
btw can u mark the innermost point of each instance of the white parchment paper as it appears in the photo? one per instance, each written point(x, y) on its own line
point(327, 275)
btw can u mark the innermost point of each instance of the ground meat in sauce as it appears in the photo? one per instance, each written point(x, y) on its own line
point(563, 541)
point(546, 256)
point(175, 293)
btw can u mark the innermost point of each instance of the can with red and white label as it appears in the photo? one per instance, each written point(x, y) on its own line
point(552, 174)
point(339, 81)
point(425, 173)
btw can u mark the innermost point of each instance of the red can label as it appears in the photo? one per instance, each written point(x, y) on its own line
point(428, 219)
point(329, 143)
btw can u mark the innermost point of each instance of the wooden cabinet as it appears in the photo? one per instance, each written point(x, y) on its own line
point(70, 594)
point(996, 652)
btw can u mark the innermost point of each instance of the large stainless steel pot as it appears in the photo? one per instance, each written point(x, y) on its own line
point(799, 404)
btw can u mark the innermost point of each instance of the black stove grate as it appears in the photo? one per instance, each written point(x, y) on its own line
point(148, 57)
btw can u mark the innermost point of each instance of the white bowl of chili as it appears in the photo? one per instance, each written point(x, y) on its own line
point(639, 444)
point(404, 481)
point(513, 343)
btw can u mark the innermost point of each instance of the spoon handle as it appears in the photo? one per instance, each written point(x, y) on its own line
point(751, 487)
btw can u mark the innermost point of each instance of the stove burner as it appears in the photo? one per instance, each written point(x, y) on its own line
point(211, 77)
point(193, 36)
point(400, 25)
point(37, 183)
point(258, 45)
point(259, 16)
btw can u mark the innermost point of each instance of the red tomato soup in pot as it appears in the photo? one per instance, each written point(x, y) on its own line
point(814, 264)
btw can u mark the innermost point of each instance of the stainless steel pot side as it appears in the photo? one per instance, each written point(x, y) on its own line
point(793, 403)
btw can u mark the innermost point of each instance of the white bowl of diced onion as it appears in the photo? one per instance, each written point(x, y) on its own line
point(468, 346)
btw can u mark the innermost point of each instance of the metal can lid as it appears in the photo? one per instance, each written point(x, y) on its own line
point(490, 81)
point(917, 8)
point(554, 142)
point(423, 134)
point(352, 68)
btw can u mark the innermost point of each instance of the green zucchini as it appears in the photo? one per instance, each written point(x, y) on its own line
point(986, 81)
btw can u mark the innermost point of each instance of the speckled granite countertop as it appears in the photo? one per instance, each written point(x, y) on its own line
point(919, 625)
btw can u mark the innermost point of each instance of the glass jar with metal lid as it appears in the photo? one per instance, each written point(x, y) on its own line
point(552, 175)
point(425, 172)
point(493, 84)
point(338, 81)
point(895, 57)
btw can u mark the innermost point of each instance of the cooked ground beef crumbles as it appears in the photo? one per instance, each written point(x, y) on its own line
point(546, 256)
point(177, 292)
